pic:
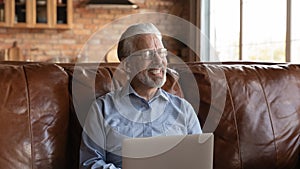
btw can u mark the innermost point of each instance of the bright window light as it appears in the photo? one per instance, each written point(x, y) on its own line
point(295, 32)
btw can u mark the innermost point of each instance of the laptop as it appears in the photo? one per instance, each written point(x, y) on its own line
point(169, 152)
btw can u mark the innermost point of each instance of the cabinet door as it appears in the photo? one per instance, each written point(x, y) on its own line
point(21, 13)
point(63, 13)
point(42, 13)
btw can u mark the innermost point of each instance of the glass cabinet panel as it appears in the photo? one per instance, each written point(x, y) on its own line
point(20, 11)
point(2, 11)
point(41, 11)
point(61, 12)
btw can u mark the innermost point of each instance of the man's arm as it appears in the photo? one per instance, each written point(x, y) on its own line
point(93, 144)
point(193, 124)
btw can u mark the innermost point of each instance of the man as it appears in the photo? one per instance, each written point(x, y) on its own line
point(140, 108)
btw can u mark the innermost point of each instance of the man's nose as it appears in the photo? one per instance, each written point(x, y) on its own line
point(157, 58)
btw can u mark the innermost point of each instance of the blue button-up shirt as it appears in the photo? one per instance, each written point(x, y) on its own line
point(124, 114)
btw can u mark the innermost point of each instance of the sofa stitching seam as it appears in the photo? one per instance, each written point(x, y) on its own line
point(235, 122)
point(270, 116)
point(29, 116)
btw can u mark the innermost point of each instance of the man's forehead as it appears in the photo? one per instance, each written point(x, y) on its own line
point(147, 41)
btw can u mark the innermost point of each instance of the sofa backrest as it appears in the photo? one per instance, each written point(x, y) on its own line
point(253, 110)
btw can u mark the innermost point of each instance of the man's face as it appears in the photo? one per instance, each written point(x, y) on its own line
point(148, 61)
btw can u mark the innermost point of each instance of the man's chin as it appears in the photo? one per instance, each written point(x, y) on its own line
point(157, 82)
point(153, 81)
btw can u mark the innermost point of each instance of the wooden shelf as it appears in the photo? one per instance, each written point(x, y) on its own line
point(61, 5)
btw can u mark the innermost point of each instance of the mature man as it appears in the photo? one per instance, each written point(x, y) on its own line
point(140, 108)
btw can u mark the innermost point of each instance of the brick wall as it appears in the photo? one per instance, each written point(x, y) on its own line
point(94, 32)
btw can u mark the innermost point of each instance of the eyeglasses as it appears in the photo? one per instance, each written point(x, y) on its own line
point(148, 54)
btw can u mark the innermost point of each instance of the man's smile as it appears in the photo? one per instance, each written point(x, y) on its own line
point(156, 72)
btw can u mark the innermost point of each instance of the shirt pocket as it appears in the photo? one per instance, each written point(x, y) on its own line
point(174, 129)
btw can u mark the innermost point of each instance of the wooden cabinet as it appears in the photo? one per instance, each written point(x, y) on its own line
point(37, 13)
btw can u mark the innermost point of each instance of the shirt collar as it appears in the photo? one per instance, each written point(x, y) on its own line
point(126, 108)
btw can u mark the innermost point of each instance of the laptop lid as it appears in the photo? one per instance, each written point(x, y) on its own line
point(164, 152)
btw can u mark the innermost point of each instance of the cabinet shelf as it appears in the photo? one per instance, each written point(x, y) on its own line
point(61, 5)
point(39, 5)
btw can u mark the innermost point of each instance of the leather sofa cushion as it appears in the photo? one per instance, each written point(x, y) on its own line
point(34, 115)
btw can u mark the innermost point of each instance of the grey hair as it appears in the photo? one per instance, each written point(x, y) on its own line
point(125, 45)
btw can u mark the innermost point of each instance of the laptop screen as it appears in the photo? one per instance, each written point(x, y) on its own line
point(163, 152)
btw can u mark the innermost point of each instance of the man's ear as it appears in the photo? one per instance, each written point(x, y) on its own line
point(126, 66)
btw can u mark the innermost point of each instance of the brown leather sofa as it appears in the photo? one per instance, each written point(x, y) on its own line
point(253, 110)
